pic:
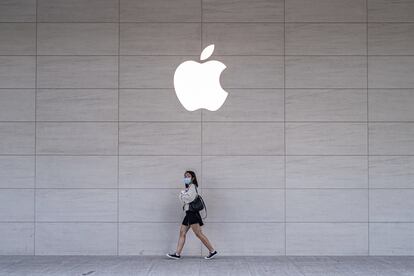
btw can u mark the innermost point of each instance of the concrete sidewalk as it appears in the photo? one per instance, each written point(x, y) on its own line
point(222, 265)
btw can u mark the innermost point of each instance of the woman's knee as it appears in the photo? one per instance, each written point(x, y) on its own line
point(183, 232)
point(197, 231)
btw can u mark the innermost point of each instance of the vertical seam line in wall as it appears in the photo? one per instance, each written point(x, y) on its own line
point(117, 173)
point(367, 99)
point(284, 115)
point(35, 134)
point(201, 113)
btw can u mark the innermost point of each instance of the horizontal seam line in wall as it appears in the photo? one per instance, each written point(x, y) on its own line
point(221, 22)
point(241, 88)
point(227, 222)
point(209, 121)
point(215, 22)
point(206, 188)
point(206, 155)
point(191, 56)
point(287, 88)
point(172, 88)
point(245, 88)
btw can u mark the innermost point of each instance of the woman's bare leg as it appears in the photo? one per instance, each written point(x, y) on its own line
point(181, 240)
point(197, 231)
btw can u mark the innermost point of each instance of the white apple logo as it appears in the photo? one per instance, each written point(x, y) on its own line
point(197, 85)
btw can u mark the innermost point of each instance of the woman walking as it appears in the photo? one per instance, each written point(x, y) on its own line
point(192, 218)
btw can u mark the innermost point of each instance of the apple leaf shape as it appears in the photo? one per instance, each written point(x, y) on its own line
point(207, 52)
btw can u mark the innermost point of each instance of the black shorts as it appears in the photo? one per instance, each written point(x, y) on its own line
point(191, 218)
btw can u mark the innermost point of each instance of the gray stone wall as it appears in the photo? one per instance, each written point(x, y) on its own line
point(311, 154)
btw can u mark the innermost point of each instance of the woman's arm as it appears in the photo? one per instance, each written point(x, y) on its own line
point(189, 195)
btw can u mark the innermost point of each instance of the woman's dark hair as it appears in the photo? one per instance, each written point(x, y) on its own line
point(193, 176)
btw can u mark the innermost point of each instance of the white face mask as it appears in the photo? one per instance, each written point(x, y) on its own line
point(187, 180)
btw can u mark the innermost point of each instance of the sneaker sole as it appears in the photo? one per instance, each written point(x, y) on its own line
point(174, 258)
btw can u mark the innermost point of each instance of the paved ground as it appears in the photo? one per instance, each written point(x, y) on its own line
point(222, 265)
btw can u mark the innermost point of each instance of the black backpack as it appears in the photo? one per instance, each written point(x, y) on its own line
point(197, 204)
